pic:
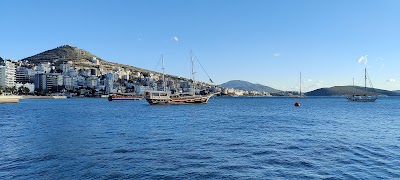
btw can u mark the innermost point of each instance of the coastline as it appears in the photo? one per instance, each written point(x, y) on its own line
point(42, 97)
point(10, 99)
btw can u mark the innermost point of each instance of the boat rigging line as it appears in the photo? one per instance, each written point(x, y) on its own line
point(203, 69)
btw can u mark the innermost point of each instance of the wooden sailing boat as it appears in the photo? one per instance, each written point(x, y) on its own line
point(365, 97)
point(166, 97)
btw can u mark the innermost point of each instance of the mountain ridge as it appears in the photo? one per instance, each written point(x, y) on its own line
point(350, 90)
point(247, 86)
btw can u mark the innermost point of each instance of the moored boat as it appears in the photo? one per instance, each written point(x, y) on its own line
point(301, 95)
point(68, 95)
point(166, 97)
point(362, 98)
point(365, 97)
point(120, 97)
point(60, 97)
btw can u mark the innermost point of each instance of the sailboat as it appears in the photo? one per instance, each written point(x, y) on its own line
point(300, 94)
point(365, 97)
point(166, 97)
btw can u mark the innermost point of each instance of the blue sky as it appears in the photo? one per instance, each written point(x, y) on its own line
point(261, 41)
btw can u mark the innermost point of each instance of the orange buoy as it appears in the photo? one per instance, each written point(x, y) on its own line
point(297, 104)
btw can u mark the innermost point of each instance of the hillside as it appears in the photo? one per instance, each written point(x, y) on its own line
point(78, 57)
point(83, 59)
point(247, 86)
point(348, 90)
point(63, 54)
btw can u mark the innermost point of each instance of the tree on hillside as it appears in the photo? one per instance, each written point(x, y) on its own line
point(11, 90)
point(146, 74)
point(19, 91)
point(23, 90)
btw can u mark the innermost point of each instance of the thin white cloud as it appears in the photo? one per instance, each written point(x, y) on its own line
point(382, 66)
point(391, 80)
point(380, 59)
point(363, 58)
point(276, 54)
point(315, 84)
point(175, 38)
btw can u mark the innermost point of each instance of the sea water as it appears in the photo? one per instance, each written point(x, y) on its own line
point(228, 138)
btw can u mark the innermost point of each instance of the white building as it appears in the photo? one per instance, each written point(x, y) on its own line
point(125, 75)
point(92, 81)
point(230, 91)
point(47, 82)
point(79, 81)
point(23, 75)
point(43, 67)
point(30, 86)
point(141, 90)
point(136, 74)
point(67, 69)
point(54, 80)
point(238, 92)
point(95, 61)
point(68, 82)
point(41, 82)
point(109, 82)
point(7, 73)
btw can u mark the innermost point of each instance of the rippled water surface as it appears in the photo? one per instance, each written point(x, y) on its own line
point(228, 138)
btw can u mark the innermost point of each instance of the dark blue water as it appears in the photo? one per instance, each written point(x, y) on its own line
point(229, 138)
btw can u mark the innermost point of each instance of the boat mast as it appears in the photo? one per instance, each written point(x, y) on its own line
point(163, 73)
point(191, 60)
point(365, 83)
point(300, 84)
point(354, 88)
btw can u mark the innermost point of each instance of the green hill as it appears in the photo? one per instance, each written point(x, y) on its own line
point(247, 86)
point(349, 90)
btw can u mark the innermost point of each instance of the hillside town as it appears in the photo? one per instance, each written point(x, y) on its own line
point(93, 78)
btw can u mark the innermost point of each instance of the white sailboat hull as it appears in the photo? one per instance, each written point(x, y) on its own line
point(362, 98)
point(365, 97)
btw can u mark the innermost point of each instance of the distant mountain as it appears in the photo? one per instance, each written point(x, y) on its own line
point(349, 90)
point(398, 91)
point(247, 86)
